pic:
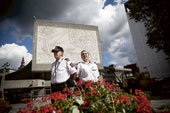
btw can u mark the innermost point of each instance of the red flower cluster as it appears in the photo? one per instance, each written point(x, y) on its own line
point(58, 96)
point(139, 92)
point(67, 91)
point(48, 109)
point(88, 84)
point(80, 83)
point(76, 93)
point(3, 106)
point(29, 104)
point(86, 103)
point(144, 105)
point(123, 98)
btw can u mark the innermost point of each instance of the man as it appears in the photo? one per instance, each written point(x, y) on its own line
point(87, 70)
point(62, 71)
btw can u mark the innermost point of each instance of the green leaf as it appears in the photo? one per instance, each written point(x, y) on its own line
point(79, 100)
point(74, 109)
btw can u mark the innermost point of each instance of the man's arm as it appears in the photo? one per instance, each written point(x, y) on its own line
point(74, 76)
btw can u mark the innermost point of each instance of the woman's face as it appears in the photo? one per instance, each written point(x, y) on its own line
point(85, 56)
point(58, 55)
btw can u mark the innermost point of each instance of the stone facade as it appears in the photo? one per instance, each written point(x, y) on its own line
point(72, 37)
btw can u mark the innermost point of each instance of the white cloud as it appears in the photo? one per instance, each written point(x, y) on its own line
point(115, 35)
point(13, 53)
point(112, 22)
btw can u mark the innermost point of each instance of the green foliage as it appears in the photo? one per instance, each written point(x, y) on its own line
point(155, 15)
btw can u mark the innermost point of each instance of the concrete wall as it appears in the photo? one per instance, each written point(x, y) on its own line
point(72, 37)
point(148, 59)
point(14, 84)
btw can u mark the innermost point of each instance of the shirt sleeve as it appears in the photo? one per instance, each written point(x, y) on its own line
point(71, 69)
point(52, 69)
point(78, 70)
point(95, 72)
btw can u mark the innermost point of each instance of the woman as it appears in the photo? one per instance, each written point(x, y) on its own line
point(87, 70)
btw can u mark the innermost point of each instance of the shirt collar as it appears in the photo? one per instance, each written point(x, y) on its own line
point(88, 63)
point(60, 59)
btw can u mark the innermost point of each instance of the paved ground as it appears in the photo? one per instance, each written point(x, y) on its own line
point(157, 103)
point(154, 103)
point(16, 107)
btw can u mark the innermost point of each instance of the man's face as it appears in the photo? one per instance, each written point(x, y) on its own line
point(85, 56)
point(58, 55)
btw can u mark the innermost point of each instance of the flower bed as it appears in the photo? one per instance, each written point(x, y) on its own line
point(91, 97)
point(25, 100)
point(3, 106)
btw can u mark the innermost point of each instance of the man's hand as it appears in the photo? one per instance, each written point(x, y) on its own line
point(74, 75)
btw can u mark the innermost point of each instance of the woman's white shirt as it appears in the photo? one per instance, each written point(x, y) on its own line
point(88, 71)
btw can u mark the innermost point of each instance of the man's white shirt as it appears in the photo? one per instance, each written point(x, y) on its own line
point(61, 71)
point(87, 71)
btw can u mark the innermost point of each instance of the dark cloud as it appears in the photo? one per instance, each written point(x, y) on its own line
point(42, 9)
point(64, 10)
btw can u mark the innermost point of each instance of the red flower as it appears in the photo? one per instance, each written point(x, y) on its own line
point(88, 84)
point(111, 87)
point(104, 81)
point(94, 90)
point(80, 83)
point(86, 103)
point(76, 93)
point(58, 96)
point(143, 102)
point(99, 83)
point(65, 89)
point(70, 91)
point(99, 111)
point(29, 105)
point(139, 92)
point(80, 107)
point(59, 109)
point(83, 92)
point(123, 98)
point(113, 83)
point(117, 88)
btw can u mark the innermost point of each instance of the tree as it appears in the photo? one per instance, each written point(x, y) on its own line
point(155, 16)
point(5, 65)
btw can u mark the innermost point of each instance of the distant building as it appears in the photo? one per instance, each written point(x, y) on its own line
point(26, 84)
point(134, 67)
point(8, 71)
point(111, 73)
point(148, 59)
point(22, 63)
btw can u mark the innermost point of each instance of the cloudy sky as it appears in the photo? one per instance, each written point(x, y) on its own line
point(17, 18)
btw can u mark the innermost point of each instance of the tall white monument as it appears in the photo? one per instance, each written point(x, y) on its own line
point(148, 59)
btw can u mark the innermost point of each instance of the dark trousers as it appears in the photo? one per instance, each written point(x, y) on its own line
point(58, 87)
